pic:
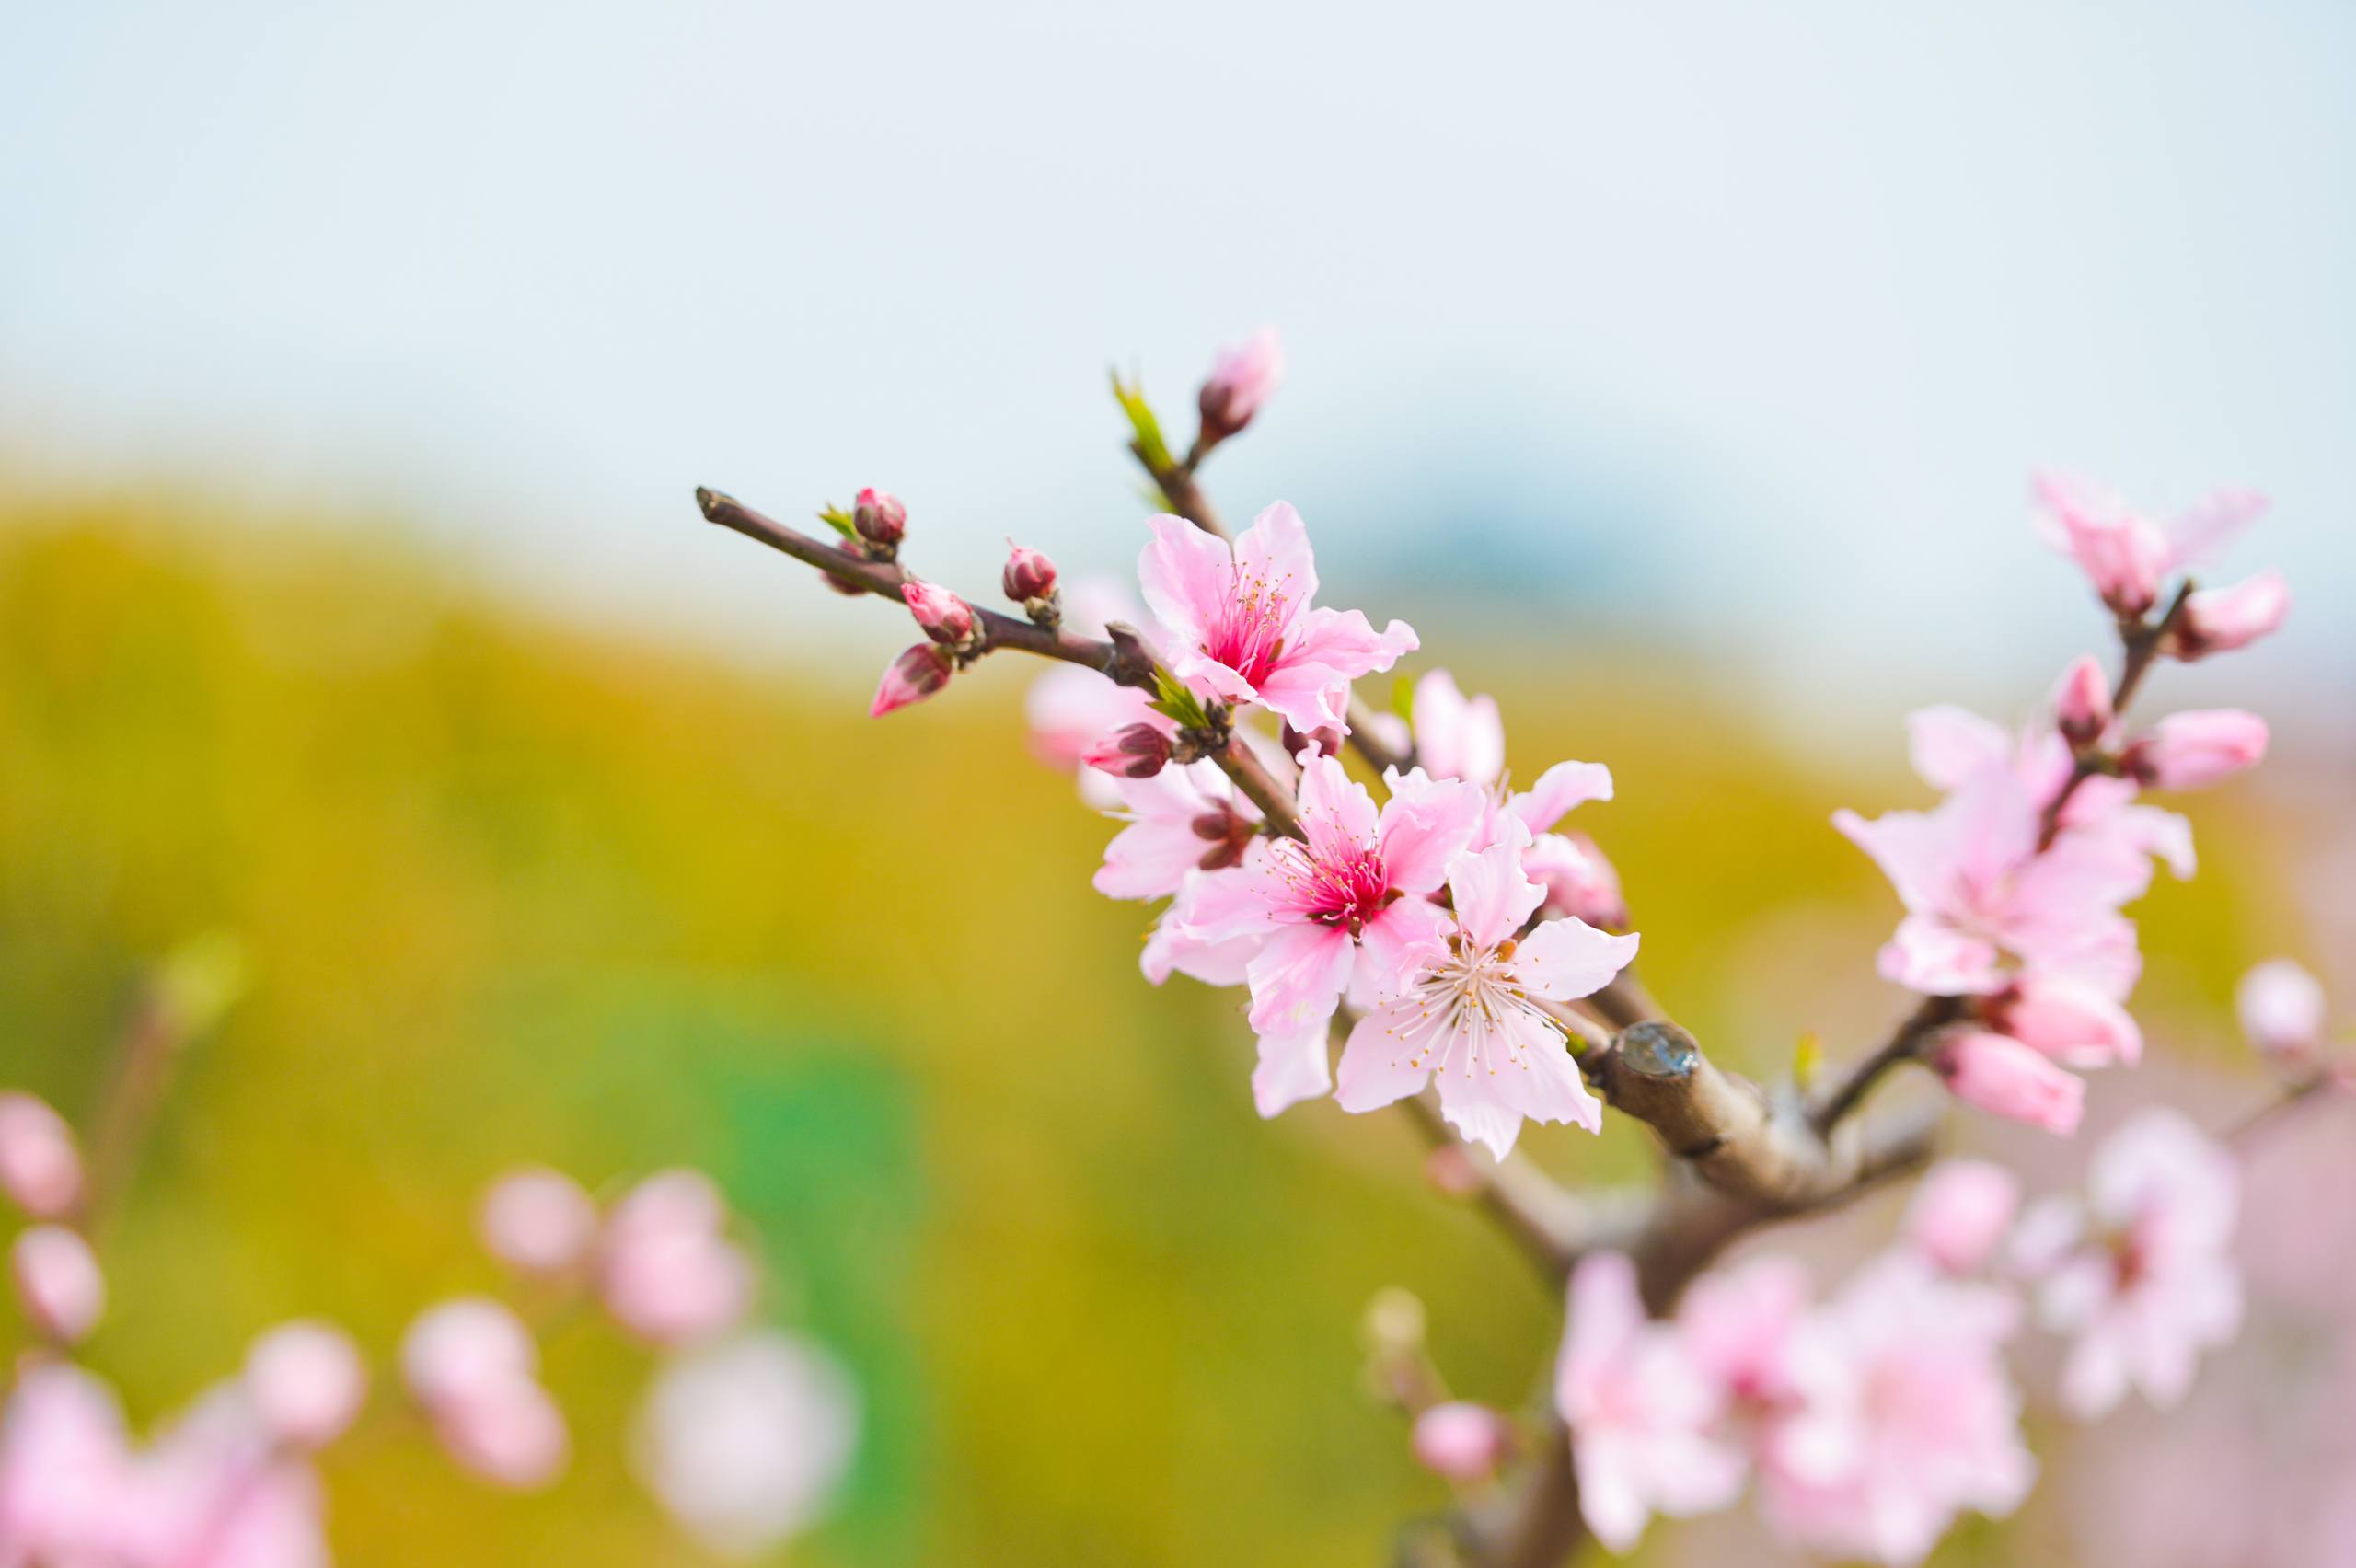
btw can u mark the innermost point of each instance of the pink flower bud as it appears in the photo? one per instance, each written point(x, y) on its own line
point(879, 518)
point(946, 618)
point(1134, 751)
point(1028, 575)
point(2188, 750)
point(306, 1382)
point(2082, 704)
point(1243, 375)
point(510, 1434)
point(2004, 1077)
point(1325, 741)
point(464, 1349)
point(40, 1167)
point(1960, 1213)
point(538, 1220)
point(910, 678)
point(1461, 1441)
point(2070, 1023)
point(59, 1283)
point(668, 1273)
point(2218, 620)
point(1578, 880)
point(2282, 1011)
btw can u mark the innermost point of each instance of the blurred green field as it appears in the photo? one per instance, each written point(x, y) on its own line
point(509, 889)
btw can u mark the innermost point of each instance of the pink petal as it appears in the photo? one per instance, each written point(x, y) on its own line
point(1949, 745)
point(1298, 976)
point(1273, 556)
point(1186, 575)
point(1335, 810)
point(1936, 960)
point(1492, 894)
point(1425, 825)
point(1563, 960)
point(1292, 1069)
point(1380, 1064)
point(1457, 737)
point(1559, 790)
point(1394, 948)
point(2201, 534)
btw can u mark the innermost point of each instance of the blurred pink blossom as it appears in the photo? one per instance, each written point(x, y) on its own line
point(474, 1367)
point(2196, 748)
point(1461, 1441)
point(1243, 376)
point(2218, 620)
point(40, 1168)
point(1640, 1412)
point(1959, 1214)
point(666, 1269)
point(2002, 1077)
point(58, 1282)
point(2127, 555)
point(2141, 1275)
point(539, 1221)
point(306, 1382)
point(746, 1441)
point(2283, 1013)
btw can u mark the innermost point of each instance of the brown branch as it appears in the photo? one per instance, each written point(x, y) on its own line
point(2141, 643)
point(1905, 1043)
point(1121, 659)
point(1539, 1213)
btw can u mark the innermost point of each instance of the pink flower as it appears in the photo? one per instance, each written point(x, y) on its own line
point(1243, 376)
point(2282, 1011)
point(1347, 910)
point(2218, 620)
point(2005, 1077)
point(1977, 887)
point(2188, 750)
point(2143, 1276)
point(1456, 736)
point(1740, 1326)
point(1175, 947)
point(2075, 1025)
point(64, 1468)
point(746, 1442)
point(1905, 1417)
point(913, 677)
point(473, 1366)
point(213, 1492)
point(1960, 1212)
point(1461, 1441)
point(666, 1271)
point(59, 1283)
point(306, 1382)
point(2125, 554)
point(539, 1221)
point(40, 1168)
point(946, 618)
point(2081, 703)
point(1240, 625)
point(1181, 820)
point(1468, 1014)
point(1640, 1413)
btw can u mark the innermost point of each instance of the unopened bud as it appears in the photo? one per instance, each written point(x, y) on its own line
point(880, 520)
point(306, 1382)
point(913, 677)
point(1028, 575)
point(842, 585)
point(2081, 703)
point(946, 618)
point(1243, 377)
point(1227, 832)
point(1461, 1441)
point(2186, 751)
point(59, 1283)
point(1134, 751)
point(1394, 1322)
point(2218, 620)
point(2283, 1012)
point(1325, 741)
point(40, 1167)
point(1579, 879)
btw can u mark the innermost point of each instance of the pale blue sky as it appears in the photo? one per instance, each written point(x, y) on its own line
point(1751, 317)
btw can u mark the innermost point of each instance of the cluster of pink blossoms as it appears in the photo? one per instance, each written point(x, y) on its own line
point(2014, 884)
point(743, 1435)
point(1450, 917)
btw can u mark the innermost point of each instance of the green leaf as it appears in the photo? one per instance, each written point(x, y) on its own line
point(1150, 447)
point(1176, 703)
point(835, 517)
